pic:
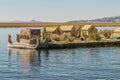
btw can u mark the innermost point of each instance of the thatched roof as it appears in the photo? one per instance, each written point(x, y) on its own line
point(50, 29)
point(87, 27)
point(78, 27)
point(117, 30)
point(66, 27)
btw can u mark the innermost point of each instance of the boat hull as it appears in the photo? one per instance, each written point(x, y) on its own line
point(24, 46)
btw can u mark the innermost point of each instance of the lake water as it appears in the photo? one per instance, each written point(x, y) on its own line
point(102, 63)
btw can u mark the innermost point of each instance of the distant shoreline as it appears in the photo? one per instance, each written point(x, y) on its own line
point(44, 24)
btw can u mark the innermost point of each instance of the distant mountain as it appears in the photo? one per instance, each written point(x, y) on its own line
point(34, 21)
point(105, 19)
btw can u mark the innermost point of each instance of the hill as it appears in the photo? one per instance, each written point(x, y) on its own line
point(105, 19)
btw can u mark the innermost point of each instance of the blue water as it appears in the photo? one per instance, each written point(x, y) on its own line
point(102, 63)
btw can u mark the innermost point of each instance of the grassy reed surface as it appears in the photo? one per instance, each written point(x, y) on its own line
point(43, 24)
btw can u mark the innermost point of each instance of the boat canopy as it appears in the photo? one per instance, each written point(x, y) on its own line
point(30, 33)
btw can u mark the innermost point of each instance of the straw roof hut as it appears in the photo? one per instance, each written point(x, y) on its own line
point(116, 32)
point(70, 30)
point(89, 32)
point(66, 29)
point(76, 31)
point(50, 31)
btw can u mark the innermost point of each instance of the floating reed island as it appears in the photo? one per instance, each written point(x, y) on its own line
point(69, 36)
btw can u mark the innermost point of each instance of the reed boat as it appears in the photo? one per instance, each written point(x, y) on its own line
point(28, 38)
point(24, 45)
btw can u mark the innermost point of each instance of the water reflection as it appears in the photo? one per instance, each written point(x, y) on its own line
point(27, 58)
point(78, 64)
point(47, 54)
point(58, 56)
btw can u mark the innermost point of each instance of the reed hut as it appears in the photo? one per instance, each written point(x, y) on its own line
point(48, 32)
point(70, 30)
point(116, 32)
point(89, 32)
point(77, 31)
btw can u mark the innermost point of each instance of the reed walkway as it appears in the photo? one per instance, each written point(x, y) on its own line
point(84, 44)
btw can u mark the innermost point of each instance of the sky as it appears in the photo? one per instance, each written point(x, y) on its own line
point(57, 10)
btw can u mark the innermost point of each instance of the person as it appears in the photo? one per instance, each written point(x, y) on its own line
point(17, 38)
point(9, 39)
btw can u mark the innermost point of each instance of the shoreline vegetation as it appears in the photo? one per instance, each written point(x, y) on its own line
point(44, 24)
